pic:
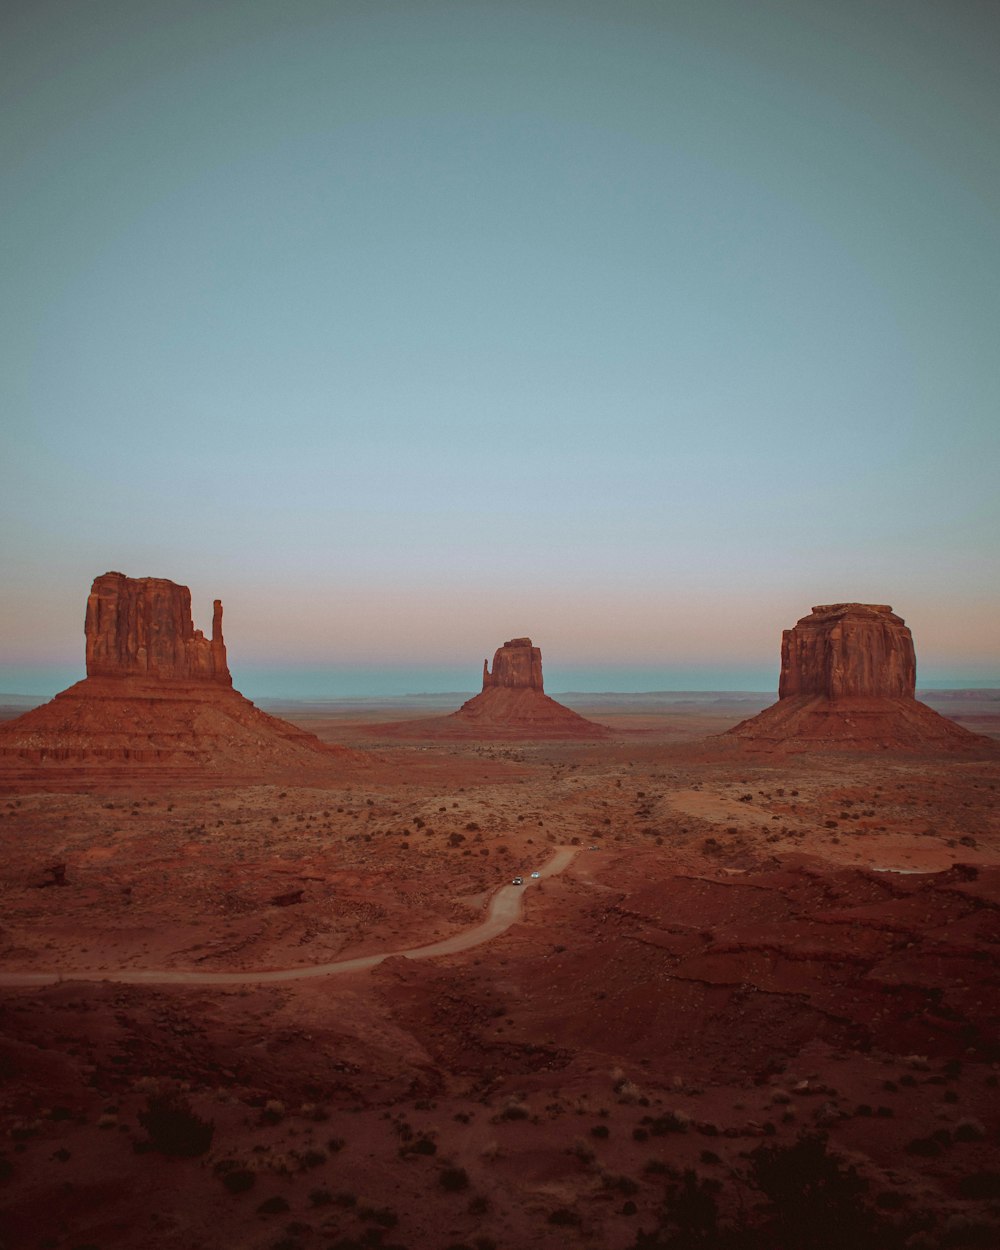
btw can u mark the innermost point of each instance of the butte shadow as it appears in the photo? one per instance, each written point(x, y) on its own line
point(848, 683)
point(157, 701)
point(512, 706)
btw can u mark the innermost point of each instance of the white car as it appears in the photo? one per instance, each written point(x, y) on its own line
point(518, 881)
point(535, 875)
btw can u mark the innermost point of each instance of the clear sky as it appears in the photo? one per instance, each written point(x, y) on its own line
point(406, 328)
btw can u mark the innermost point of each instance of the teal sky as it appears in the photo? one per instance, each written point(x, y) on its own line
point(406, 328)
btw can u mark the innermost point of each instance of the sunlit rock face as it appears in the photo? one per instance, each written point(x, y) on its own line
point(517, 665)
point(142, 627)
point(845, 649)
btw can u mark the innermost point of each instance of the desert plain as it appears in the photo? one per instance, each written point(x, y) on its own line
point(756, 1006)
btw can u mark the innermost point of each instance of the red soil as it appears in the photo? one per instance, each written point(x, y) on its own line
point(762, 950)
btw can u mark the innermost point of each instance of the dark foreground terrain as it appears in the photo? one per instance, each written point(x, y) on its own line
point(759, 1009)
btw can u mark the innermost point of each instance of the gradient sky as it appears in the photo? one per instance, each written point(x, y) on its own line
point(406, 328)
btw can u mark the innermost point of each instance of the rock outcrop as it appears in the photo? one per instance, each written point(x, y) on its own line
point(512, 705)
point(843, 650)
point(142, 627)
point(158, 699)
point(848, 682)
point(517, 665)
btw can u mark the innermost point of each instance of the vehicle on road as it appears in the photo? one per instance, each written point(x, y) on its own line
point(518, 881)
point(536, 875)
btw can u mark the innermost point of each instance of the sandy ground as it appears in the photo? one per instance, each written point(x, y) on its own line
point(763, 964)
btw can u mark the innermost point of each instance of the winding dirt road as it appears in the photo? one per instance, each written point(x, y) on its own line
point(506, 907)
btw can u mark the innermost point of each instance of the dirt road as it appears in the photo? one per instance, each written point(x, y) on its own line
point(505, 908)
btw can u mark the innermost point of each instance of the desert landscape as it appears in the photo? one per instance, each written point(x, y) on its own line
point(499, 667)
point(288, 994)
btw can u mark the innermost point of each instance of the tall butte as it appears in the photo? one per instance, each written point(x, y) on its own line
point(158, 694)
point(848, 682)
point(512, 705)
point(513, 702)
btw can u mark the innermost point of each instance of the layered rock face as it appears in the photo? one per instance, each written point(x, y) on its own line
point(142, 627)
point(848, 682)
point(517, 665)
point(158, 698)
point(848, 649)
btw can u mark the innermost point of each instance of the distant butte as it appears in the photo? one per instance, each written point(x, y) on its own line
point(848, 682)
point(158, 695)
point(512, 705)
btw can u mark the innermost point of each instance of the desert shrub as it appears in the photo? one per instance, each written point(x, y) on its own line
point(929, 1147)
point(173, 1127)
point(453, 1179)
point(970, 1129)
point(273, 1206)
point(514, 1110)
point(670, 1122)
point(818, 1200)
point(563, 1217)
point(980, 1185)
point(385, 1217)
point(621, 1184)
point(239, 1180)
point(273, 1111)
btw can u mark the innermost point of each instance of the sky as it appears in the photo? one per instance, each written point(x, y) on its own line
point(407, 328)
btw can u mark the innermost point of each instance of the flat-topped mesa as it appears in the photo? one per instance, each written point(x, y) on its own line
point(142, 627)
point(848, 683)
point(848, 650)
point(517, 665)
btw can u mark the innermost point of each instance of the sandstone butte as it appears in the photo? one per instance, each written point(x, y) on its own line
point(848, 682)
point(512, 705)
point(158, 695)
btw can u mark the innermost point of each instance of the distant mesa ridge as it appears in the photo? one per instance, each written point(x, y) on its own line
point(848, 681)
point(157, 694)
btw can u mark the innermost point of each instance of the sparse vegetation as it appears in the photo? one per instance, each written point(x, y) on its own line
point(173, 1127)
